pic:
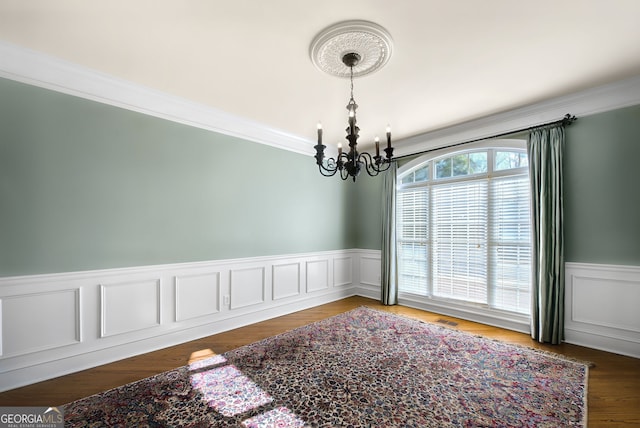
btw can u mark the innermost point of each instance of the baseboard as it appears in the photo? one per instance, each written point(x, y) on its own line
point(58, 324)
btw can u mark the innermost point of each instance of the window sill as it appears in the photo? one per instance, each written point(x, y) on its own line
point(494, 318)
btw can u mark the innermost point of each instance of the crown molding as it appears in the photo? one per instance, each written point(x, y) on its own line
point(599, 99)
point(38, 69)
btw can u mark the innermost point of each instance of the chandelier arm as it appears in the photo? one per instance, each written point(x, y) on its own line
point(344, 174)
point(327, 172)
point(374, 164)
point(369, 163)
point(330, 167)
point(383, 167)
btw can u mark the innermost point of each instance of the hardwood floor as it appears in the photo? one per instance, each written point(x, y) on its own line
point(614, 382)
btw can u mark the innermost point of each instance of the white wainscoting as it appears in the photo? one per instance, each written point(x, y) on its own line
point(603, 307)
point(51, 325)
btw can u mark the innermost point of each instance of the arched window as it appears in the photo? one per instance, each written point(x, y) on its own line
point(463, 231)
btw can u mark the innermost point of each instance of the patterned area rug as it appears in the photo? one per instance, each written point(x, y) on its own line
point(361, 368)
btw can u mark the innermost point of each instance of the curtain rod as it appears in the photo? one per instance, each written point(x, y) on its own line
point(568, 119)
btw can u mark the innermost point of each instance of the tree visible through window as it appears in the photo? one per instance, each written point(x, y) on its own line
point(464, 228)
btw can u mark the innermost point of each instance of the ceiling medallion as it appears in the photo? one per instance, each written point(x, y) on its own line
point(368, 40)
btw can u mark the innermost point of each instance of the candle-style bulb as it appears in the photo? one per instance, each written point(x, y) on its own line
point(319, 133)
point(377, 141)
point(388, 136)
point(339, 149)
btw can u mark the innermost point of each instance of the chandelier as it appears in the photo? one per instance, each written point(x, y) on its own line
point(361, 47)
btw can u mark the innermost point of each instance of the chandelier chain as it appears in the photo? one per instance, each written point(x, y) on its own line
point(351, 68)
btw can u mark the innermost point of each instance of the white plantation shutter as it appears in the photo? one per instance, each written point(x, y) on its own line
point(412, 240)
point(459, 249)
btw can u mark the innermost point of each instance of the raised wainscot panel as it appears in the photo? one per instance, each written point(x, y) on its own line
point(370, 271)
point(197, 295)
point(39, 321)
point(317, 275)
point(247, 287)
point(608, 303)
point(342, 271)
point(129, 306)
point(286, 280)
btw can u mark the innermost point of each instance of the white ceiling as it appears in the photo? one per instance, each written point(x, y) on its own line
point(453, 60)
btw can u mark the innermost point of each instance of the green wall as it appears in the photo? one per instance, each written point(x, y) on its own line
point(602, 188)
point(365, 198)
point(88, 186)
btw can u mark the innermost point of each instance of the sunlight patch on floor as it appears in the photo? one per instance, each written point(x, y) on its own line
point(230, 392)
point(280, 417)
point(207, 362)
point(201, 355)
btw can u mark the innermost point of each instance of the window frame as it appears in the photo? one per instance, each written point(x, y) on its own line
point(481, 311)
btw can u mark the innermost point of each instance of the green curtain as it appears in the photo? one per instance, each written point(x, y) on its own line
point(389, 260)
point(545, 147)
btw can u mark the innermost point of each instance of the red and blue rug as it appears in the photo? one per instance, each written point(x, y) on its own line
point(363, 368)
